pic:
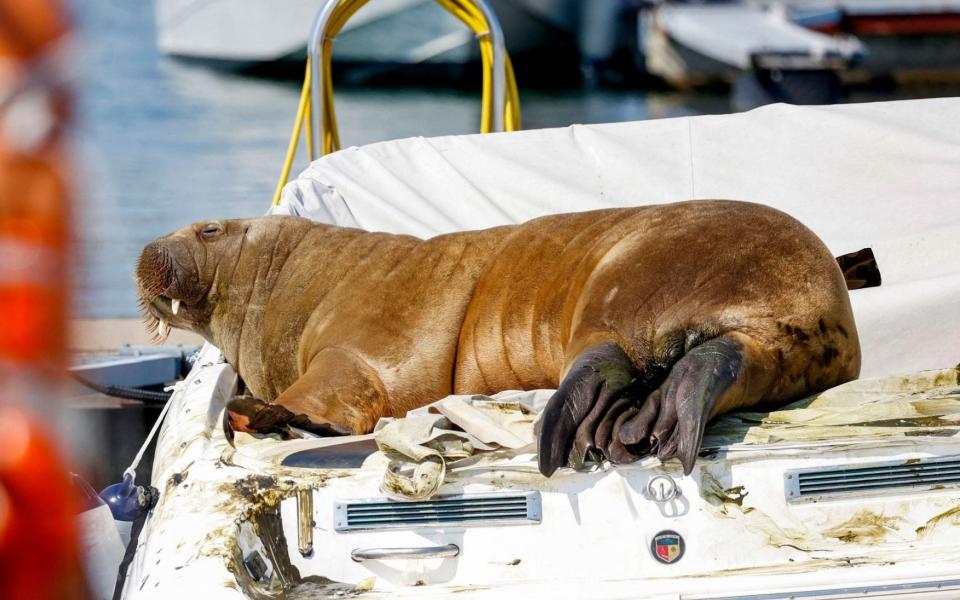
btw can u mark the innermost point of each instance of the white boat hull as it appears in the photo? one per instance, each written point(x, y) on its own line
point(245, 32)
point(229, 523)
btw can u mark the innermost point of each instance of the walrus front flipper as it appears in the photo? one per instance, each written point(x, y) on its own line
point(721, 374)
point(338, 389)
point(251, 415)
point(571, 416)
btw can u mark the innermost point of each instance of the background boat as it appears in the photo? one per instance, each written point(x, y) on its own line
point(246, 33)
point(695, 43)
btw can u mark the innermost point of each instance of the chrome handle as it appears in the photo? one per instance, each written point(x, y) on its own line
point(362, 554)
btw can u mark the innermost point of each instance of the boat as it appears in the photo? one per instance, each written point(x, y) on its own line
point(854, 492)
point(904, 41)
point(799, 50)
point(239, 35)
point(690, 44)
point(758, 50)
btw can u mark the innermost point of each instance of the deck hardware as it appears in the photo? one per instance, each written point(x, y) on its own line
point(662, 488)
point(305, 521)
point(469, 510)
point(903, 476)
point(255, 565)
point(447, 551)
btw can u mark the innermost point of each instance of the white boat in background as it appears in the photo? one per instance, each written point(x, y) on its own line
point(766, 57)
point(241, 33)
point(249, 31)
point(694, 43)
point(904, 39)
point(854, 493)
point(697, 43)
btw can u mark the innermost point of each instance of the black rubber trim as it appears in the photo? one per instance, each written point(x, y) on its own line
point(124, 392)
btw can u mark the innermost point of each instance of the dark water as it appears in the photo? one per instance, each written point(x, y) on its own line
point(160, 144)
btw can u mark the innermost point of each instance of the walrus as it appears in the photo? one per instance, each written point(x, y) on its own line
point(648, 321)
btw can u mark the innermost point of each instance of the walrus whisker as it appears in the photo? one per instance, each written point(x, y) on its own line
point(151, 323)
point(155, 270)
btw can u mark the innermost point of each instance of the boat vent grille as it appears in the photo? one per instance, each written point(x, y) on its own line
point(811, 484)
point(456, 511)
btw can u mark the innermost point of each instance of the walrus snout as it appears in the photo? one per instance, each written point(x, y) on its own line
point(167, 283)
point(155, 272)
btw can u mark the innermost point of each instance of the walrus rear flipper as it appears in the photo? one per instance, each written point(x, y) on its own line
point(712, 378)
point(593, 407)
point(691, 394)
point(567, 424)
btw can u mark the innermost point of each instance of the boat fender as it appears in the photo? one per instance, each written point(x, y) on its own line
point(128, 501)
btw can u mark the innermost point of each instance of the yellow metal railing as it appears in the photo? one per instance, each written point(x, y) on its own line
point(500, 103)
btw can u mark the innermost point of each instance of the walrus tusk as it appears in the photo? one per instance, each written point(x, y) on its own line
point(163, 330)
point(175, 305)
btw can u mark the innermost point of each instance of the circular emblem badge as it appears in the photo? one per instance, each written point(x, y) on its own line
point(667, 547)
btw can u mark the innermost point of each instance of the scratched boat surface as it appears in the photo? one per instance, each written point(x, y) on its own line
point(241, 523)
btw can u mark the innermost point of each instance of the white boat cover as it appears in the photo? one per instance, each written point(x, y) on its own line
point(881, 175)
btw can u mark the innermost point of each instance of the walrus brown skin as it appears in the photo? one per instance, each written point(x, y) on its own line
point(650, 320)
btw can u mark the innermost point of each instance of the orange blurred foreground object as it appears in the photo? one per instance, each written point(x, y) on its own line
point(38, 533)
point(33, 198)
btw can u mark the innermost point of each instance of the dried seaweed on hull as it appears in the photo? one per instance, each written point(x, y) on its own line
point(865, 527)
point(917, 405)
point(728, 502)
point(940, 523)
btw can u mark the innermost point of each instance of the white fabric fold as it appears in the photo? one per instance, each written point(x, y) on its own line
point(421, 445)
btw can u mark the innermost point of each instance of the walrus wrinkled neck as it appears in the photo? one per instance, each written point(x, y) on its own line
point(259, 298)
point(241, 292)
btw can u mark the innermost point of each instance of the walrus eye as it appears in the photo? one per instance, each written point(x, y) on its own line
point(210, 230)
